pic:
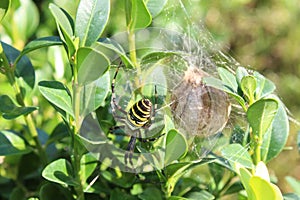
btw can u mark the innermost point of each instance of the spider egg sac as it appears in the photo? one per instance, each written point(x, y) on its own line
point(199, 109)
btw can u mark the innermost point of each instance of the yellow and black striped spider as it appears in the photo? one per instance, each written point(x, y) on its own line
point(139, 116)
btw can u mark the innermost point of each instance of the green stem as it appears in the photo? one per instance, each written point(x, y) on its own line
point(132, 53)
point(10, 74)
point(75, 144)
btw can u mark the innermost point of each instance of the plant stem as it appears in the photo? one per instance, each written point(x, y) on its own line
point(10, 74)
point(75, 144)
point(132, 53)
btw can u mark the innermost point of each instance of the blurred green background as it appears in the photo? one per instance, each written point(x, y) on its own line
point(263, 35)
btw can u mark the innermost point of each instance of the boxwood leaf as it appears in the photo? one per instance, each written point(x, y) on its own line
point(65, 27)
point(260, 115)
point(155, 6)
point(94, 94)
point(50, 191)
point(10, 110)
point(248, 86)
point(91, 19)
point(238, 154)
point(263, 189)
point(24, 69)
point(60, 171)
point(12, 144)
point(91, 64)
point(40, 43)
point(57, 94)
point(138, 14)
point(275, 139)
point(88, 163)
point(176, 146)
point(264, 86)
point(228, 79)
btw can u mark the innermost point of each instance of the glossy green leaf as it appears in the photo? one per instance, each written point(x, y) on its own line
point(240, 73)
point(260, 115)
point(24, 70)
point(157, 56)
point(106, 44)
point(91, 19)
point(203, 195)
point(50, 191)
point(245, 176)
point(59, 132)
point(263, 189)
point(155, 6)
point(59, 171)
point(91, 64)
point(41, 43)
point(88, 163)
point(151, 193)
point(176, 146)
point(12, 144)
point(218, 84)
point(228, 79)
point(238, 154)
point(10, 111)
point(264, 86)
point(94, 94)
point(56, 93)
point(65, 27)
point(138, 14)
point(248, 86)
point(4, 5)
point(276, 137)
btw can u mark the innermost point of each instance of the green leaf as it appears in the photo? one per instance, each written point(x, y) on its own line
point(245, 178)
point(60, 171)
point(59, 132)
point(248, 86)
point(151, 193)
point(275, 139)
point(240, 73)
point(263, 189)
point(50, 191)
point(294, 184)
point(94, 94)
point(228, 79)
point(65, 27)
point(203, 195)
point(155, 6)
point(138, 14)
point(157, 56)
point(24, 70)
point(56, 93)
point(91, 19)
point(106, 44)
point(12, 144)
point(176, 146)
point(264, 86)
point(91, 65)
point(238, 154)
point(291, 196)
point(218, 84)
point(17, 194)
point(4, 5)
point(41, 43)
point(260, 115)
point(88, 164)
point(10, 110)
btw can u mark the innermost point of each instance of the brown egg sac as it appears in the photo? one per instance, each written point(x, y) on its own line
point(199, 109)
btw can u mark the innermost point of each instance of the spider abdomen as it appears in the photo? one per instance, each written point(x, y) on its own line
point(139, 114)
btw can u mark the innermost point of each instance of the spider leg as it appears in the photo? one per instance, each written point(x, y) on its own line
point(129, 151)
point(113, 94)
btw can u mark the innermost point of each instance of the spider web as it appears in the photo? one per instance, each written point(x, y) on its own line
point(189, 54)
